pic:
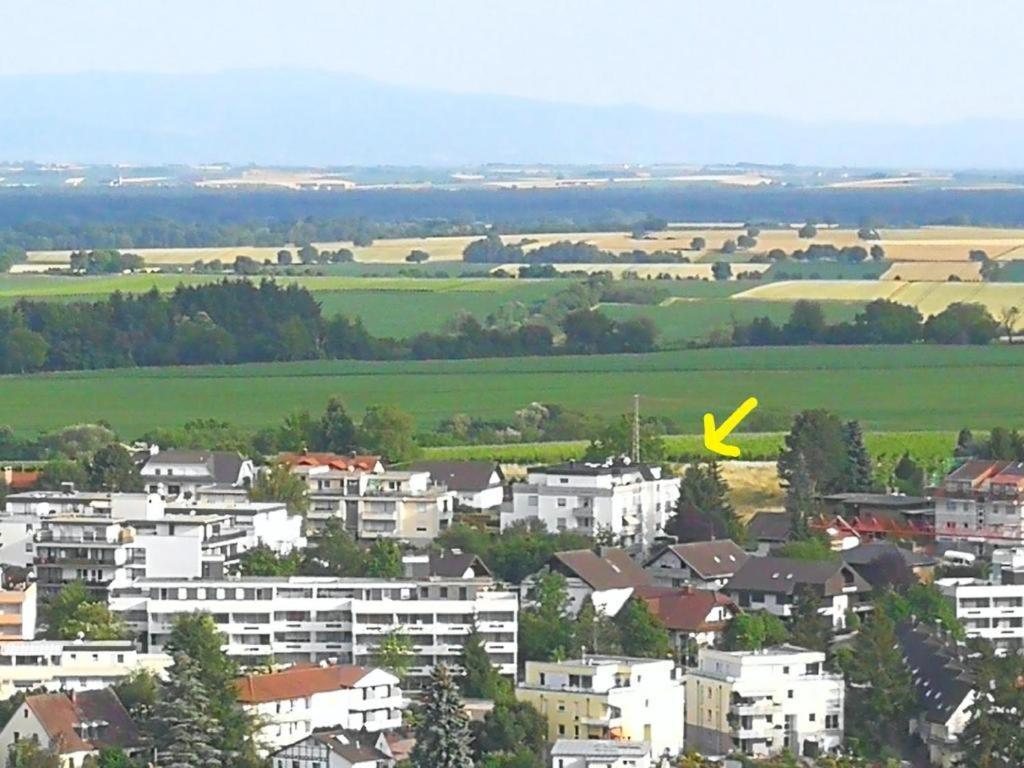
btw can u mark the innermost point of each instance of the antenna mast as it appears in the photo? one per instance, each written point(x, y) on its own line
point(636, 429)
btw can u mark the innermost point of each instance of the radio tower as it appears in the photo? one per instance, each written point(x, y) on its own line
point(635, 455)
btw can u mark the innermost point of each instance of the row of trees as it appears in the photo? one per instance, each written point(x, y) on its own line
point(881, 322)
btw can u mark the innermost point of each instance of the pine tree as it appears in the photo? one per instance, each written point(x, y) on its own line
point(443, 739)
point(481, 679)
point(861, 469)
point(809, 628)
point(183, 729)
point(642, 633)
point(994, 736)
point(799, 503)
point(703, 492)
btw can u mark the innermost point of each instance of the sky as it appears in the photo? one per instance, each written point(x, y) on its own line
point(909, 61)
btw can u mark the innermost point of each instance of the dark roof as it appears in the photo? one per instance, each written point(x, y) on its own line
point(62, 716)
point(593, 469)
point(976, 469)
point(222, 466)
point(770, 526)
point(939, 676)
point(467, 476)
point(866, 554)
point(613, 569)
point(889, 500)
point(683, 610)
point(784, 575)
point(453, 565)
point(708, 559)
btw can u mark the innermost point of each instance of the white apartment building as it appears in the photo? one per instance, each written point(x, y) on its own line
point(762, 702)
point(311, 619)
point(980, 505)
point(992, 611)
point(71, 665)
point(291, 704)
point(408, 506)
point(591, 753)
point(18, 608)
point(181, 473)
point(609, 697)
point(631, 501)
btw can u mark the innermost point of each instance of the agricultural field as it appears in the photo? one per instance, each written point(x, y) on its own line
point(887, 388)
point(921, 244)
point(928, 298)
point(933, 271)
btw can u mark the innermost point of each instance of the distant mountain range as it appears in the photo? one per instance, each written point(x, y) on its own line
point(317, 118)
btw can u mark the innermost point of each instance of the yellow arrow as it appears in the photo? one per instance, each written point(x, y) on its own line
point(713, 436)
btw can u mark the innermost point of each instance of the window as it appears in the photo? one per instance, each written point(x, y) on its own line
point(789, 694)
point(561, 502)
point(812, 717)
point(832, 721)
point(561, 730)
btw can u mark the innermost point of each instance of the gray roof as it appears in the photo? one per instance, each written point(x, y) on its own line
point(594, 748)
point(784, 575)
point(709, 559)
point(612, 569)
point(889, 500)
point(769, 526)
point(467, 476)
point(222, 466)
point(595, 469)
point(865, 554)
point(940, 678)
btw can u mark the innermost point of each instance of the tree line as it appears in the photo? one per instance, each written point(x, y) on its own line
point(880, 322)
point(237, 321)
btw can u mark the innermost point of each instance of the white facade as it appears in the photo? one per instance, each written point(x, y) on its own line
point(335, 750)
point(373, 505)
point(71, 665)
point(762, 702)
point(994, 612)
point(312, 619)
point(633, 503)
point(591, 753)
point(180, 474)
point(291, 704)
point(18, 608)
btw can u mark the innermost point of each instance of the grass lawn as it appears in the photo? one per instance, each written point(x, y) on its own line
point(922, 388)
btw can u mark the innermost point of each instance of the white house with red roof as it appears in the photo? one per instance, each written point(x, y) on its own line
point(293, 703)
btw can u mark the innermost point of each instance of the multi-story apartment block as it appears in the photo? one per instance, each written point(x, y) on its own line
point(379, 504)
point(71, 665)
point(994, 612)
point(980, 505)
point(18, 612)
point(762, 702)
point(609, 697)
point(632, 502)
point(312, 619)
point(291, 704)
point(588, 753)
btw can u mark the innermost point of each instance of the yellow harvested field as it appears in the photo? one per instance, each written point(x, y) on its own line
point(928, 297)
point(753, 486)
point(923, 244)
point(934, 271)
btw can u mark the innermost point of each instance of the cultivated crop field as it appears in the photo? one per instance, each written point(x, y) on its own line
point(922, 244)
point(889, 389)
point(929, 298)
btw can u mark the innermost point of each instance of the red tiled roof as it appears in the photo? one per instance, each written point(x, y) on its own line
point(297, 682)
point(333, 460)
point(684, 610)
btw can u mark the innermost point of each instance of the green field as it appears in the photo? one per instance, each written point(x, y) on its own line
point(682, 321)
point(889, 389)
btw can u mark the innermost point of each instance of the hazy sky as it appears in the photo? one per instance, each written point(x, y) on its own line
point(877, 60)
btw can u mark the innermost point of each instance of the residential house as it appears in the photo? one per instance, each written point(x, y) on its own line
point(74, 725)
point(606, 578)
point(883, 515)
point(181, 473)
point(608, 697)
point(760, 703)
point(698, 564)
point(336, 749)
point(879, 562)
point(447, 564)
point(629, 502)
point(773, 584)
point(291, 704)
point(478, 485)
point(945, 692)
point(694, 618)
point(71, 665)
point(769, 530)
point(590, 753)
point(351, 462)
point(305, 619)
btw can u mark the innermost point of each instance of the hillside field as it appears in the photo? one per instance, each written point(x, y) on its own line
point(924, 388)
